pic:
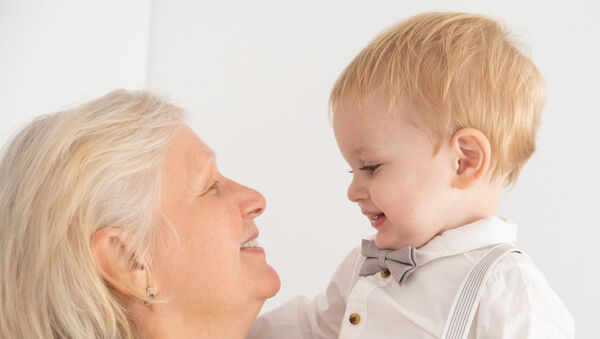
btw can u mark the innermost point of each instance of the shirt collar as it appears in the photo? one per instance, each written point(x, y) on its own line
point(481, 233)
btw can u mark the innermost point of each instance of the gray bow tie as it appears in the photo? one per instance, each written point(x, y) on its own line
point(401, 263)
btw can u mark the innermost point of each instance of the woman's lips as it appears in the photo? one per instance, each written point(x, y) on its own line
point(256, 249)
point(251, 246)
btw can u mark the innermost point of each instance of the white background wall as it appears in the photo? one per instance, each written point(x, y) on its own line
point(54, 54)
point(255, 77)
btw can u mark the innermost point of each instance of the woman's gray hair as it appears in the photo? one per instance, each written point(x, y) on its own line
point(62, 178)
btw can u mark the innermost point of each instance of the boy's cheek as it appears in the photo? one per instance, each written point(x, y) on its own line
point(387, 197)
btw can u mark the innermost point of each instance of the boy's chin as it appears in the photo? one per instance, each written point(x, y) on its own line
point(384, 241)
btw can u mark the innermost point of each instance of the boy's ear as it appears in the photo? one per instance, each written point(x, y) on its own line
point(125, 274)
point(472, 157)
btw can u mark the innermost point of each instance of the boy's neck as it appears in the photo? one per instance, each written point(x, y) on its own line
point(475, 203)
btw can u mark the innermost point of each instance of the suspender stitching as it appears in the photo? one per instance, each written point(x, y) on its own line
point(467, 298)
point(471, 292)
point(467, 295)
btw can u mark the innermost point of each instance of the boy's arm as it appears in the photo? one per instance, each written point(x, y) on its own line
point(518, 302)
point(302, 319)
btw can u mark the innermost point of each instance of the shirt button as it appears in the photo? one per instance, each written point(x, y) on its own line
point(354, 318)
point(385, 273)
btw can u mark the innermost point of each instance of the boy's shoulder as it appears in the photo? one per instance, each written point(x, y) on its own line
point(517, 290)
point(519, 261)
point(517, 268)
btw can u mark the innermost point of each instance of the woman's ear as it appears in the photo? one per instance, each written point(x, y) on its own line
point(120, 269)
point(472, 157)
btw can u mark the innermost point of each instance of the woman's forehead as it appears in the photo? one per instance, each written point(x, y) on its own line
point(189, 157)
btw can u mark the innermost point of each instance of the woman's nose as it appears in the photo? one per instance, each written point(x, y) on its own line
point(356, 191)
point(250, 201)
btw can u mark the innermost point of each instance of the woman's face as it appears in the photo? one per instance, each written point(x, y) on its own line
point(205, 263)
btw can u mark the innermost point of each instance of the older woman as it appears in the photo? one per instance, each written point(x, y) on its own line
point(116, 223)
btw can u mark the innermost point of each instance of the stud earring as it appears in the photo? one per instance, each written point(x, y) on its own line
point(150, 295)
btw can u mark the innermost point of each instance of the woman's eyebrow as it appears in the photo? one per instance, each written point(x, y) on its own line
point(200, 175)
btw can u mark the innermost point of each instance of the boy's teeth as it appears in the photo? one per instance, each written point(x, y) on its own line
point(251, 243)
point(377, 216)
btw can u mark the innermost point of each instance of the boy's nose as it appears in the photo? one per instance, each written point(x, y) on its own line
point(356, 191)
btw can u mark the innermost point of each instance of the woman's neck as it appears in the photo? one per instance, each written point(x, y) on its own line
point(160, 323)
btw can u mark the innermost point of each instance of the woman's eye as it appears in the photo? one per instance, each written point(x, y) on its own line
point(370, 168)
point(214, 186)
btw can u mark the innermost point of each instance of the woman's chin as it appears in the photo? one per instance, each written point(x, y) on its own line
point(269, 285)
point(263, 279)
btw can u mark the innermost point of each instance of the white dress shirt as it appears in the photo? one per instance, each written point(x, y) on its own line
point(517, 301)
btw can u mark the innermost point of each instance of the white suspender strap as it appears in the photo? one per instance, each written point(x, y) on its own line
point(467, 299)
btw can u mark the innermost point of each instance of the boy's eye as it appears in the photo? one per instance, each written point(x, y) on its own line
point(369, 168)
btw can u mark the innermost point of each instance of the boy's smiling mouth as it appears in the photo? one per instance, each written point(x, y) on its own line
point(376, 218)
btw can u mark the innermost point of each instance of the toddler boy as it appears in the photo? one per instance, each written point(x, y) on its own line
point(435, 116)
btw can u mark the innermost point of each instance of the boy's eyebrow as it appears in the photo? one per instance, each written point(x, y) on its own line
point(361, 149)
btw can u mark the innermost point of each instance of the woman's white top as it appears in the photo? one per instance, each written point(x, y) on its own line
point(516, 301)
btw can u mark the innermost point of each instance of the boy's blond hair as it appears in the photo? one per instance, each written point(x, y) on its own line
point(455, 70)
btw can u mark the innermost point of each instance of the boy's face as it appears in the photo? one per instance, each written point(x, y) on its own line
point(401, 187)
